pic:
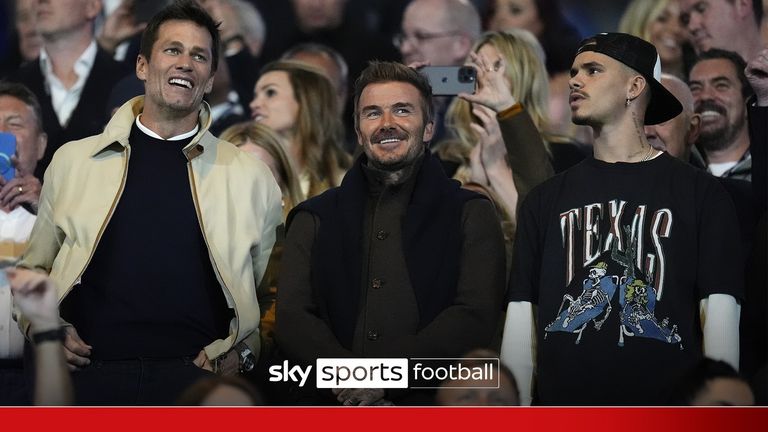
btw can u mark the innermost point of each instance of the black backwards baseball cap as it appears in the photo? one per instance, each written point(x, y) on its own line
point(643, 58)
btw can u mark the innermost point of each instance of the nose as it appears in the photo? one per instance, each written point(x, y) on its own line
point(407, 47)
point(255, 102)
point(694, 23)
point(574, 83)
point(650, 132)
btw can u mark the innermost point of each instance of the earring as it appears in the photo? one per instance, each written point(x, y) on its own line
point(629, 101)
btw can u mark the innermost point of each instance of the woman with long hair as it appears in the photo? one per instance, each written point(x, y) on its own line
point(298, 103)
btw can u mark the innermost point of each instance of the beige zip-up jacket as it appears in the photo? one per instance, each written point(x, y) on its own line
point(236, 198)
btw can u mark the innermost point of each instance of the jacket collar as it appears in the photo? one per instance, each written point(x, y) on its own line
point(119, 127)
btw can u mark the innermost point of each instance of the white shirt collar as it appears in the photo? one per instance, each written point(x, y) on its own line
point(83, 64)
point(153, 134)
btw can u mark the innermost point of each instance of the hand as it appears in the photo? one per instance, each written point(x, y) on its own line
point(35, 295)
point(492, 152)
point(202, 361)
point(20, 190)
point(493, 90)
point(75, 350)
point(119, 26)
point(359, 396)
point(757, 75)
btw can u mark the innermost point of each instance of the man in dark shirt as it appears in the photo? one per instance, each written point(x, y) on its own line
point(398, 261)
point(156, 232)
point(630, 256)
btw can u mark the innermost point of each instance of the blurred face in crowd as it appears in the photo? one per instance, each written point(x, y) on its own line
point(179, 72)
point(391, 126)
point(466, 395)
point(521, 14)
point(596, 83)
point(274, 103)
point(676, 136)
point(26, 26)
point(667, 35)
point(18, 119)
point(314, 15)
point(724, 392)
point(710, 23)
point(718, 99)
point(62, 17)
point(428, 36)
point(263, 155)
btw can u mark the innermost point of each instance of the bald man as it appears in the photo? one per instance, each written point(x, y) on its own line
point(676, 136)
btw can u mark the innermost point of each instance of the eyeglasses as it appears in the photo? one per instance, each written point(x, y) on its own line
point(418, 38)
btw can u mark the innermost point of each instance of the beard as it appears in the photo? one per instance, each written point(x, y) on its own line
point(722, 137)
point(395, 163)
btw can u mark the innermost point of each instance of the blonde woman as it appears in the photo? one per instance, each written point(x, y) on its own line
point(299, 103)
point(515, 60)
point(260, 141)
point(658, 22)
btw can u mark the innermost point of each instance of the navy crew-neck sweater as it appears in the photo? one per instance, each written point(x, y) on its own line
point(150, 289)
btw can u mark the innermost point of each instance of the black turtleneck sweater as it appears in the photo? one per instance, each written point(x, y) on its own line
point(150, 289)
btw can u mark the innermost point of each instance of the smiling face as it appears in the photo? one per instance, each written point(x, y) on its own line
point(718, 98)
point(667, 35)
point(710, 23)
point(274, 103)
point(179, 72)
point(391, 126)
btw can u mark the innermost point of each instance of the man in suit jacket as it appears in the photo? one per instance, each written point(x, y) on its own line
point(72, 77)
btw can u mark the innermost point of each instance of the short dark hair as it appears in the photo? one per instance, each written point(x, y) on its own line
point(380, 72)
point(182, 10)
point(736, 60)
point(24, 94)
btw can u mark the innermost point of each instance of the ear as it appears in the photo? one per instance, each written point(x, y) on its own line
point(743, 8)
point(636, 87)
point(429, 132)
point(42, 143)
point(694, 129)
point(93, 8)
point(141, 67)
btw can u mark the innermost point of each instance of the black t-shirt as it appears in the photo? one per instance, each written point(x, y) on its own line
point(617, 257)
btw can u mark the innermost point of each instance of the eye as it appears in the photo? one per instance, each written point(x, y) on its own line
point(200, 58)
point(593, 70)
point(722, 86)
point(172, 51)
point(270, 92)
point(700, 7)
point(402, 111)
point(515, 10)
point(372, 115)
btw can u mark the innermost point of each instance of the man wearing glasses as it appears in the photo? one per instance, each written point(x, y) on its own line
point(438, 33)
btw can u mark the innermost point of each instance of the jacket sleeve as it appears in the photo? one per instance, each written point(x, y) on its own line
point(44, 241)
point(261, 256)
point(526, 153)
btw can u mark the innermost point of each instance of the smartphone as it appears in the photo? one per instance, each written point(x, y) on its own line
point(7, 149)
point(450, 80)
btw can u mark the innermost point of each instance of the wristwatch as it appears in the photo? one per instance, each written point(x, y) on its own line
point(246, 357)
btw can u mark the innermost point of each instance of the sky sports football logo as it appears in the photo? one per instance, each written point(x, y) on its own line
point(414, 373)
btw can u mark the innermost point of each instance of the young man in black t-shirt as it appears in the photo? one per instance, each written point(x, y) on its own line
point(631, 257)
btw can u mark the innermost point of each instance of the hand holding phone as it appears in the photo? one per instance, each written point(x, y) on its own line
point(7, 149)
point(450, 80)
